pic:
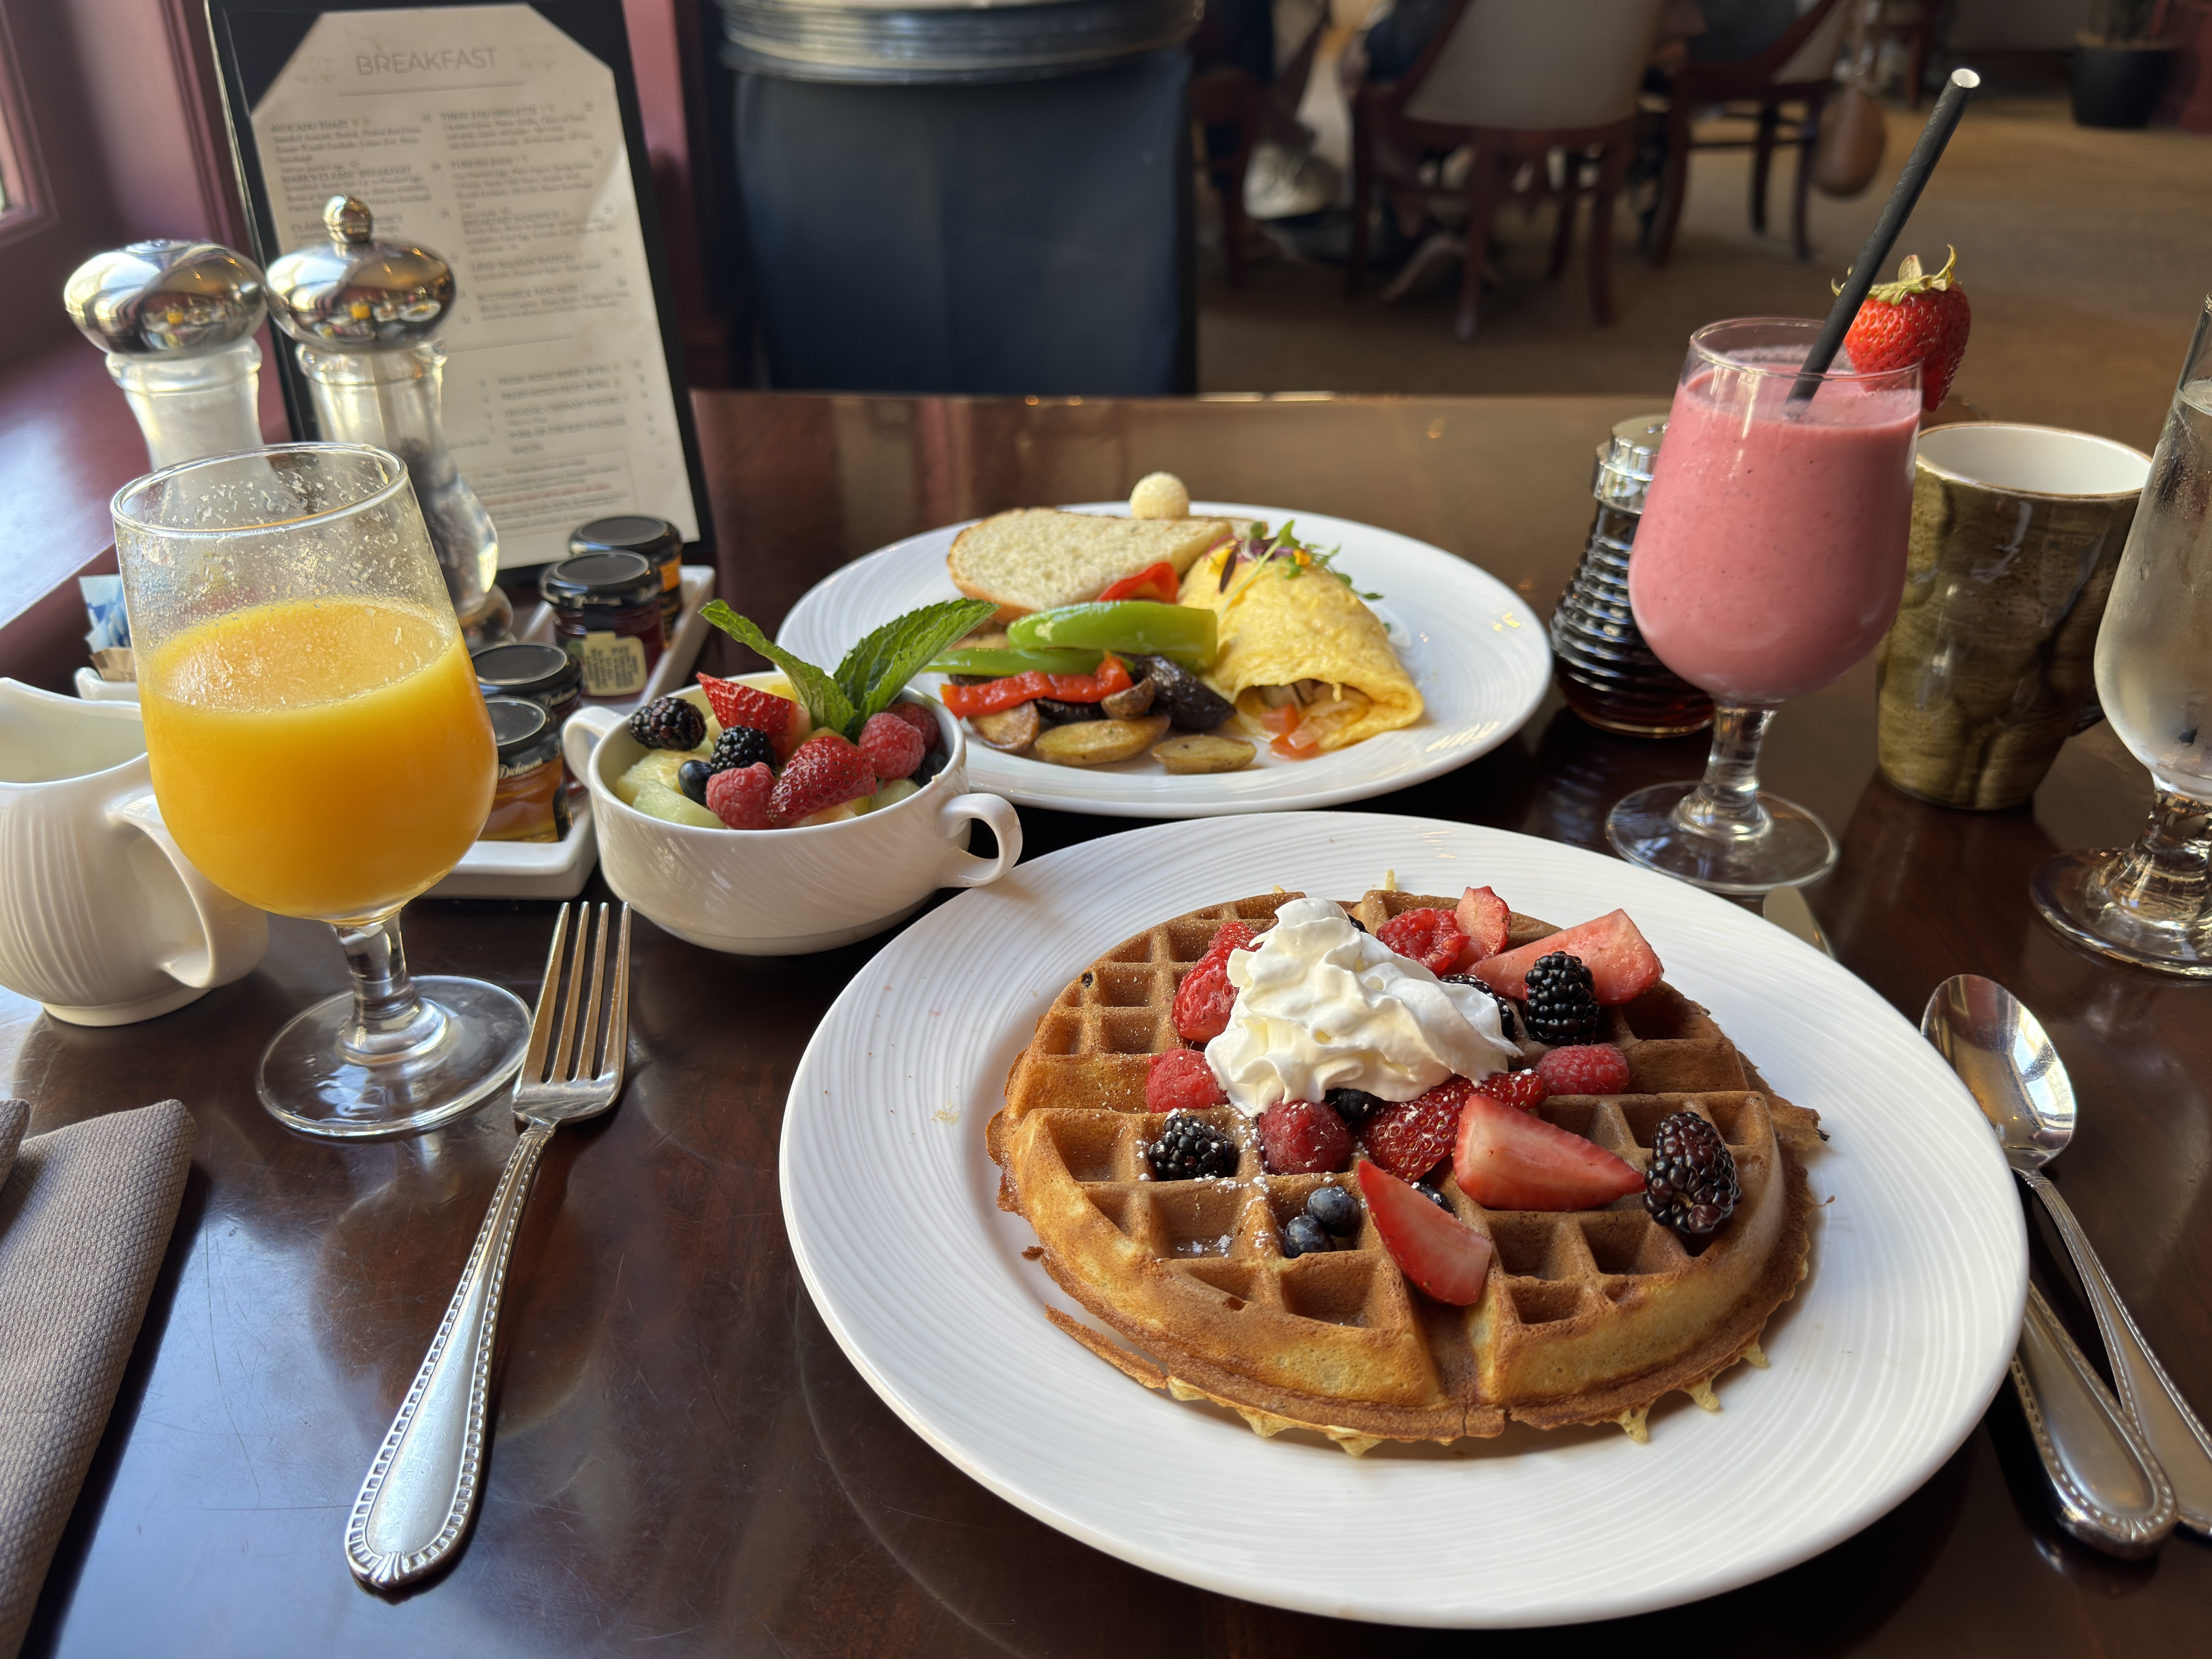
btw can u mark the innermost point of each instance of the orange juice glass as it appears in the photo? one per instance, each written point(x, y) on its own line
point(319, 749)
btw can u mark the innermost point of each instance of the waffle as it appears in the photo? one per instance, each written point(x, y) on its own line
point(1588, 1316)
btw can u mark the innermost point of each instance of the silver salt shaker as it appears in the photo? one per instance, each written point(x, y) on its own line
point(177, 320)
point(366, 314)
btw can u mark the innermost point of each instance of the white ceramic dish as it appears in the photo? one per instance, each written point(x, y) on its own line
point(1880, 1365)
point(1473, 646)
point(781, 892)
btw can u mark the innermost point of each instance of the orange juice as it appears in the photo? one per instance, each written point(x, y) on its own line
point(328, 758)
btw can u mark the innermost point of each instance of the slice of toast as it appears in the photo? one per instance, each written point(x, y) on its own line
point(1036, 557)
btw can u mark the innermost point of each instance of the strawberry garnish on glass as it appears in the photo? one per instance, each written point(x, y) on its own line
point(1918, 318)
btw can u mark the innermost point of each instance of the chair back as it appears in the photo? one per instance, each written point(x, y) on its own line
point(1820, 34)
point(1528, 64)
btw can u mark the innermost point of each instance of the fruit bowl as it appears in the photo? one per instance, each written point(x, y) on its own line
point(781, 892)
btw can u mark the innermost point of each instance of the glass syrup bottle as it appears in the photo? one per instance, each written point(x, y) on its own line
point(1605, 672)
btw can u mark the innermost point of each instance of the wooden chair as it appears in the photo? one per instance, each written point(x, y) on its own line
point(1514, 80)
point(1799, 69)
point(1228, 97)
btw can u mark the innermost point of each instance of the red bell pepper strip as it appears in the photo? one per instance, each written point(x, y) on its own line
point(968, 700)
point(1153, 583)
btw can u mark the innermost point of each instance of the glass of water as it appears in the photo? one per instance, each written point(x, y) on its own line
point(2151, 903)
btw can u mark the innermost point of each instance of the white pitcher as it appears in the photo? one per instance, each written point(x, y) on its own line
point(102, 919)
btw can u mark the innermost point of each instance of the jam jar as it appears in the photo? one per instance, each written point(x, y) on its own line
point(656, 541)
point(543, 674)
point(531, 800)
point(606, 614)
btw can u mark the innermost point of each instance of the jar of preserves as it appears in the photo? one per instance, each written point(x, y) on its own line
point(606, 615)
point(543, 674)
point(656, 541)
point(531, 800)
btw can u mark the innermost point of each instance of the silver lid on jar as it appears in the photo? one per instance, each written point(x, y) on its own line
point(353, 292)
point(165, 299)
point(1624, 461)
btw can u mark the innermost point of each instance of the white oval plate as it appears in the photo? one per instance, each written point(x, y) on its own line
point(1881, 1365)
point(1474, 648)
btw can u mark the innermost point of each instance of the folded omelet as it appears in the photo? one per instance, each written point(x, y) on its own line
point(1288, 626)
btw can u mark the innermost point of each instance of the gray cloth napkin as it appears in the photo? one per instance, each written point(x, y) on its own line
point(85, 1217)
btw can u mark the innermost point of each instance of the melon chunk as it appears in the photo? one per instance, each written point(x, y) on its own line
point(1622, 966)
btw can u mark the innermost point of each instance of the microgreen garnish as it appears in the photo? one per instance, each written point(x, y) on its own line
point(874, 671)
point(1291, 557)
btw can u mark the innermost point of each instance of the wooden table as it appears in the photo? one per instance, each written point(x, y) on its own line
point(684, 1462)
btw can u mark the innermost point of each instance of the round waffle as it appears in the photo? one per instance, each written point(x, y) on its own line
point(1587, 1316)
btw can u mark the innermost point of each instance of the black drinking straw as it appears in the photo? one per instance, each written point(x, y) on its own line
point(1875, 254)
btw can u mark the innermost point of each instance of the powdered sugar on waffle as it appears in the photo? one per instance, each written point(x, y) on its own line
point(1322, 1005)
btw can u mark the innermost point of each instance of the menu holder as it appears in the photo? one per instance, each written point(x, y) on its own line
point(508, 139)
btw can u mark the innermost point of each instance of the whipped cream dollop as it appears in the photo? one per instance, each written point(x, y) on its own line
point(1322, 1005)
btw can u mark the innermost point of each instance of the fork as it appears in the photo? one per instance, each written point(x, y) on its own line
point(423, 1487)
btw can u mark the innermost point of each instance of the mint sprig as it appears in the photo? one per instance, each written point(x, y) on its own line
point(874, 671)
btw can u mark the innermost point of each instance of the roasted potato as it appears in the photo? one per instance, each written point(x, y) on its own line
point(1127, 705)
point(1011, 729)
point(1100, 743)
point(1204, 753)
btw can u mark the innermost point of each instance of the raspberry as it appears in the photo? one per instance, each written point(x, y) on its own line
point(1297, 1136)
point(1180, 1080)
point(748, 705)
point(919, 718)
point(893, 748)
point(739, 797)
point(823, 771)
point(1526, 1090)
point(1431, 937)
point(1204, 999)
point(1412, 1139)
point(1593, 1068)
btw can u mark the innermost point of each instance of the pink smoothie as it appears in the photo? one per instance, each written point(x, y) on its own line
point(1771, 553)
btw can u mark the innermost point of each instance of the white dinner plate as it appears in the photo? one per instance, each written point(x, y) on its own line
point(1473, 646)
point(1880, 1365)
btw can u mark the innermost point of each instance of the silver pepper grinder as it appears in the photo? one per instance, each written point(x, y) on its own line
point(365, 313)
point(177, 320)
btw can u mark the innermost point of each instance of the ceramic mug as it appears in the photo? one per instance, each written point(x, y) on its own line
point(779, 892)
point(105, 921)
point(2016, 533)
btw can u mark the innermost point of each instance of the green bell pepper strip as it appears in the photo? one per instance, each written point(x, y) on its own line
point(1001, 665)
point(1143, 628)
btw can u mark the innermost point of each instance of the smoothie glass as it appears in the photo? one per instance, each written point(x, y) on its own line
point(319, 749)
point(1771, 559)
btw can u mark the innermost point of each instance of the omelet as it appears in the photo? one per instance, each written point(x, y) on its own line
point(1288, 630)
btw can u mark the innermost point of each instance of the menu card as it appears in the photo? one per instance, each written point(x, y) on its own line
point(492, 137)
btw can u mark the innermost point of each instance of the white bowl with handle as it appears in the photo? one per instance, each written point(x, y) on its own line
point(779, 892)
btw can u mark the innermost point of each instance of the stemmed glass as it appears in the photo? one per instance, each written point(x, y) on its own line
point(319, 749)
point(1770, 558)
point(2151, 903)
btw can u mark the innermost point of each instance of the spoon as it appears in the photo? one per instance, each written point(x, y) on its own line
point(2000, 1051)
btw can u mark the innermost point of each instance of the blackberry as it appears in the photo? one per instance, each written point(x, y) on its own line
point(1561, 1006)
point(1189, 1147)
point(740, 745)
point(669, 723)
point(1505, 1020)
point(1353, 1105)
point(1691, 1185)
point(1303, 1236)
point(1336, 1210)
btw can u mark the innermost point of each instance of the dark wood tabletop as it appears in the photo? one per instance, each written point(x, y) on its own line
point(683, 1461)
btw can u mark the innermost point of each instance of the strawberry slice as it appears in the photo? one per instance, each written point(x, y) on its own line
point(782, 721)
point(1483, 917)
point(1622, 966)
point(1440, 1253)
point(1510, 1160)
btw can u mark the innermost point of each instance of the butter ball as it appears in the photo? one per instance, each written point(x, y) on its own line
point(1159, 495)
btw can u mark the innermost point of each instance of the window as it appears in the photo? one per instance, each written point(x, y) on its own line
point(19, 195)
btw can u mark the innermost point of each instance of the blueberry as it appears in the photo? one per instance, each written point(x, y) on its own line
point(1435, 1195)
point(1353, 1105)
point(1304, 1236)
point(1336, 1210)
point(691, 778)
point(932, 764)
